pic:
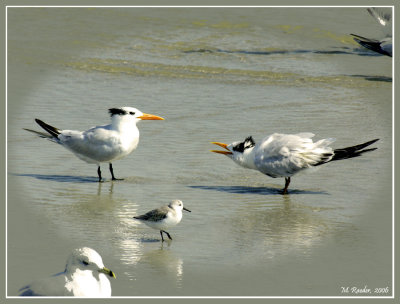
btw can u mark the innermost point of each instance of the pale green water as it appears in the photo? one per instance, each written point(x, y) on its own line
point(214, 75)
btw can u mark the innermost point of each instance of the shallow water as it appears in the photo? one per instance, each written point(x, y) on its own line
point(214, 75)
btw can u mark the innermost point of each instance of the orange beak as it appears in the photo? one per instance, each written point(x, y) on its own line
point(150, 117)
point(225, 146)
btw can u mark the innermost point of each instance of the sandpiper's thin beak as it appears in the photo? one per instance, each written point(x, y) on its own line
point(186, 209)
point(108, 272)
point(150, 117)
point(225, 146)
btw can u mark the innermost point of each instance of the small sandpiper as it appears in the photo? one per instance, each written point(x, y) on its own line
point(163, 217)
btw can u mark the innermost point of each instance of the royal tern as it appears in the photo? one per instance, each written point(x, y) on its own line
point(102, 143)
point(283, 155)
point(84, 276)
point(383, 46)
point(163, 217)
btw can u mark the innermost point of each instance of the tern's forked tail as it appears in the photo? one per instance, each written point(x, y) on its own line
point(353, 151)
point(52, 130)
point(371, 44)
point(348, 152)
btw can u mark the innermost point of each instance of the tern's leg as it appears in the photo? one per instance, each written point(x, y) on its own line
point(99, 173)
point(112, 173)
point(167, 234)
point(162, 238)
point(287, 182)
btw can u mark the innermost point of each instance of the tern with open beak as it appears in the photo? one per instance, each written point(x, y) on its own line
point(283, 155)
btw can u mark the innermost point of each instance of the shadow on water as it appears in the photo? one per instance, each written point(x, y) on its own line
point(148, 240)
point(374, 78)
point(345, 51)
point(62, 178)
point(166, 242)
point(255, 190)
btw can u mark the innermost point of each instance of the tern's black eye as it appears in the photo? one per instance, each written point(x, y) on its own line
point(132, 113)
point(85, 263)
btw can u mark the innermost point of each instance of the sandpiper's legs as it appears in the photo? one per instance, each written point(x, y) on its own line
point(167, 234)
point(162, 238)
point(287, 182)
point(112, 173)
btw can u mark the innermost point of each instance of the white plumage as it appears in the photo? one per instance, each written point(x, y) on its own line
point(164, 217)
point(102, 143)
point(283, 155)
point(84, 276)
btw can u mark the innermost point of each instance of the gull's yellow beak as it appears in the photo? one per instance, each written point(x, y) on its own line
point(150, 117)
point(225, 146)
point(108, 272)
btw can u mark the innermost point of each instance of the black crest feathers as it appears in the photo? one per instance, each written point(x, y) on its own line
point(116, 111)
point(246, 144)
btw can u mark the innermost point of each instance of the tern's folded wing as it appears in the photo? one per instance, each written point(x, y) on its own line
point(282, 155)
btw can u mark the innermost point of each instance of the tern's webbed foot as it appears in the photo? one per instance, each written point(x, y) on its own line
point(117, 179)
point(112, 174)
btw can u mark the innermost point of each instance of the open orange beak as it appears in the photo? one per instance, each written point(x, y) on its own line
point(150, 117)
point(225, 146)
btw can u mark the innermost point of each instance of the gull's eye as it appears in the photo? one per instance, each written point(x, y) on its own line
point(85, 263)
point(132, 113)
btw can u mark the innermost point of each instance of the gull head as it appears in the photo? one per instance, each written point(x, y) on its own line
point(130, 115)
point(87, 259)
point(238, 151)
point(177, 205)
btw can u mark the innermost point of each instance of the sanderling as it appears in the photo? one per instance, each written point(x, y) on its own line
point(163, 217)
